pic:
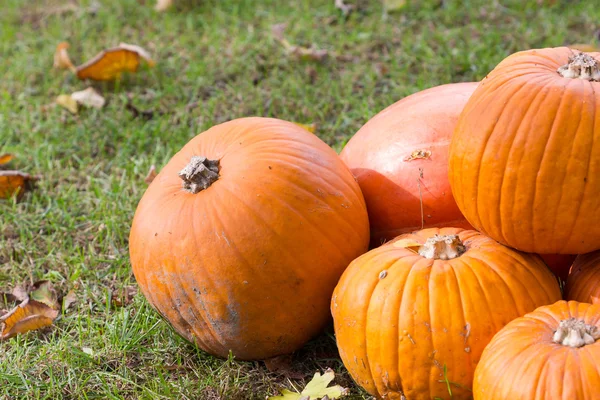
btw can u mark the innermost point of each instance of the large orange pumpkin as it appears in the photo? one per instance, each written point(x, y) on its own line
point(583, 283)
point(525, 155)
point(400, 159)
point(244, 254)
point(552, 353)
point(412, 317)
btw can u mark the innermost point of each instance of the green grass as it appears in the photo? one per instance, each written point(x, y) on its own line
point(217, 61)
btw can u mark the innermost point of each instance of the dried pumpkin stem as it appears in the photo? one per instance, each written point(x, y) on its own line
point(581, 66)
point(199, 174)
point(574, 332)
point(442, 247)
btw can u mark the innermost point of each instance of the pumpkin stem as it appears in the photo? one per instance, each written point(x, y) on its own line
point(199, 174)
point(581, 66)
point(574, 332)
point(442, 247)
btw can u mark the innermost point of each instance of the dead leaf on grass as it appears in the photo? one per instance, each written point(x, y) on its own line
point(163, 5)
point(6, 158)
point(27, 316)
point(109, 64)
point(61, 57)
point(15, 183)
point(151, 175)
point(312, 128)
point(317, 388)
point(44, 292)
point(69, 299)
point(306, 53)
point(587, 48)
point(89, 98)
point(67, 102)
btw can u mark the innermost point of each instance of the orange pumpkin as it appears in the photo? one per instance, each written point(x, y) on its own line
point(400, 159)
point(412, 317)
point(552, 353)
point(583, 283)
point(243, 255)
point(524, 156)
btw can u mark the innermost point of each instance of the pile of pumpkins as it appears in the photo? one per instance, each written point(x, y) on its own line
point(256, 232)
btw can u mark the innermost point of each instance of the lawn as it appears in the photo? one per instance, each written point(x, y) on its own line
point(216, 60)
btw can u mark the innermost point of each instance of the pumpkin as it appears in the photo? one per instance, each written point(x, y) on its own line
point(241, 238)
point(400, 159)
point(583, 283)
point(524, 158)
point(412, 317)
point(560, 264)
point(552, 353)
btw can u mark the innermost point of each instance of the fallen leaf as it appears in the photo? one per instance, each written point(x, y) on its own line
point(317, 388)
point(88, 350)
point(20, 293)
point(27, 316)
point(312, 128)
point(587, 48)
point(69, 299)
point(306, 53)
point(409, 244)
point(43, 292)
point(345, 8)
point(109, 64)
point(66, 101)
point(163, 5)
point(394, 5)
point(15, 182)
point(151, 175)
point(89, 98)
point(61, 57)
point(6, 158)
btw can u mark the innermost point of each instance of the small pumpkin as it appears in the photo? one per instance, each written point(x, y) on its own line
point(524, 156)
point(400, 159)
point(552, 353)
point(412, 317)
point(241, 238)
point(583, 283)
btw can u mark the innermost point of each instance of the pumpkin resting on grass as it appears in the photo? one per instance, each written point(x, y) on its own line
point(524, 166)
point(241, 238)
point(412, 317)
point(583, 283)
point(400, 159)
point(552, 353)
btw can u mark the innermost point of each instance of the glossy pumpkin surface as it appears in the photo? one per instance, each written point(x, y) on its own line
point(406, 324)
point(525, 155)
point(248, 264)
point(583, 283)
point(524, 362)
point(400, 159)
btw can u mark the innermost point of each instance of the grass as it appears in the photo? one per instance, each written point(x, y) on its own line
point(217, 61)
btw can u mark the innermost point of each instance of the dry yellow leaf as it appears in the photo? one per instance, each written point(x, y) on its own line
point(89, 98)
point(394, 5)
point(317, 388)
point(587, 48)
point(28, 316)
point(15, 182)
point(66, 101)
point(109, 64)
point(61, 57)
point(312, 128)
point(409, 244)
point(6, 158)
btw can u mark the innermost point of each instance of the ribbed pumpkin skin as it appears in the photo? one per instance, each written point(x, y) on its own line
point(249, 264)
point(393, 186)
point(396, 334)
point(523, 363)
point(525, 156)
point(583, 284)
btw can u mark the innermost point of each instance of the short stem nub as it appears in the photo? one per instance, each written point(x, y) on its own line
point(442, 247)
point(574, 332)
point(581, 66)
point(199, 174)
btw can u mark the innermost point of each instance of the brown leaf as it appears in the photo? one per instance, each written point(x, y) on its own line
point(15, 182)
point(151, 175)
point(43, 292)
point(6, 158)
point(109, 64)
point(89, 98)
point(27, 316)
point(163, 5)
point(61, 57)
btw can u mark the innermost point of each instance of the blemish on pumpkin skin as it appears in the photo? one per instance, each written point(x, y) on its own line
point(420, 154)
